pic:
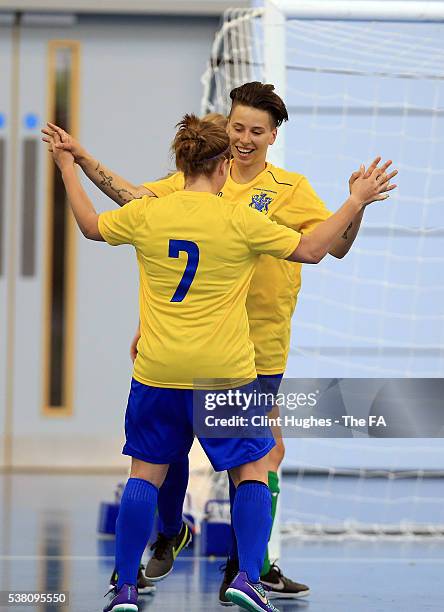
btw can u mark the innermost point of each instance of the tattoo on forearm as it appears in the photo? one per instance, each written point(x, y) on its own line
point(345, 234)
point(106, 181)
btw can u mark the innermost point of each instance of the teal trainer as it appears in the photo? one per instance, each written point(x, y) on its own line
point(249, 595)
point(124, 600)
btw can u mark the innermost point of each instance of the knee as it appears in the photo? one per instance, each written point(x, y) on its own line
point(277, 455)
point(256, 470)
point(153, 473)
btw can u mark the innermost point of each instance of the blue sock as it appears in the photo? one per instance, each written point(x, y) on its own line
point(171, 498)
point(233, 555)
point(252, 525)
point(133, 527)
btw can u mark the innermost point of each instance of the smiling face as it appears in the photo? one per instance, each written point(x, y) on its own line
point(251, 132)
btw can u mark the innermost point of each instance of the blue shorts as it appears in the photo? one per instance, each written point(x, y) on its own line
point(159, 429)
point(269, 384)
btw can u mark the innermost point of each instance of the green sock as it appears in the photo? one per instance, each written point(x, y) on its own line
point(273, 484)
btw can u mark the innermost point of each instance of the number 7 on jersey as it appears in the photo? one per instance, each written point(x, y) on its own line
point(191, 248)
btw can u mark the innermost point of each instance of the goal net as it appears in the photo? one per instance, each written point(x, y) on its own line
point(358, 82)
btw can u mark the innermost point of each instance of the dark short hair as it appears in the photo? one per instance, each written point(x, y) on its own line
point(263, 97)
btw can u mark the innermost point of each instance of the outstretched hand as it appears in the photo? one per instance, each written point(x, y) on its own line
point(65, 141)
point(373, 184)
point(385, 177)
point(61, 157)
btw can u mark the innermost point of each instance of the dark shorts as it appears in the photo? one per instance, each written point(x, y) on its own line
point(159, 429)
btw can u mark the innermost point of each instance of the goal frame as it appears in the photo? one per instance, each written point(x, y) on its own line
point(277, 11)
point(273, 16)
point(364, 10)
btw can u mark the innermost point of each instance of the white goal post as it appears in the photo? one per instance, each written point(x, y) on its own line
point(362, 10)
point(359, 78)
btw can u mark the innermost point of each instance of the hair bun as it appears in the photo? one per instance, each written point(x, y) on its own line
point(191, 129)
point(199, 145)
point(194, 134)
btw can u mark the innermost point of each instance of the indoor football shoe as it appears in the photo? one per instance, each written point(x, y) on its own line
point(124, 600)
point(165, 551)
point(279, 586)
point(249, 595)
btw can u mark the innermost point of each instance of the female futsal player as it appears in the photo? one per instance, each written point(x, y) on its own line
point(197, 254)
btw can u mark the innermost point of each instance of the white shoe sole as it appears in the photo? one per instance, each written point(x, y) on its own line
point(159, 578)
point(148, 590)
point(278, 595)
point(242, 600)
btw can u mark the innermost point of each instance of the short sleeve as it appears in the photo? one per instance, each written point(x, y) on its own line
point(119, 226)
point(306, 209)
point(267, 237)
point(168, 185)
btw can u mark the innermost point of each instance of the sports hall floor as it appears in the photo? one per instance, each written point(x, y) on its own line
point(48, 542)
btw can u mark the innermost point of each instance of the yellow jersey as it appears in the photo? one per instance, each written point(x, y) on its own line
point(196, 255)
point(288, 199)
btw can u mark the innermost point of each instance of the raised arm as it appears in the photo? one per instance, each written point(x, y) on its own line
point(364, 190)
point(110, 183)
point(82, 207)
point(344, 241)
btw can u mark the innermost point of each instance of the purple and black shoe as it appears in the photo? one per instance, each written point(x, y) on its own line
point(249, 595)
point(124, 600)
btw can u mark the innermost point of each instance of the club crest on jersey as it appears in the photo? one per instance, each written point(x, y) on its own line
point(261, 202)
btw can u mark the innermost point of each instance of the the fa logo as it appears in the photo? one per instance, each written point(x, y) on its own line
point(261, 202)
